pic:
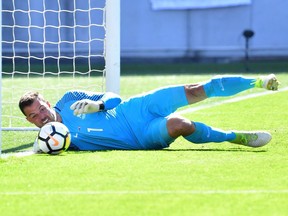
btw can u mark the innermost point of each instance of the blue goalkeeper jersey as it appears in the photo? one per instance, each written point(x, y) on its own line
point(133, 124)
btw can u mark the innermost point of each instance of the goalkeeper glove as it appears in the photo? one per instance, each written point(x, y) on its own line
point(87, 106)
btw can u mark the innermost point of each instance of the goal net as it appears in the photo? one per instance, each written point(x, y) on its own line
point(52, 46)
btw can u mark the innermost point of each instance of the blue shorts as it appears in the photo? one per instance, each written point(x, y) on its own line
point(147, 115)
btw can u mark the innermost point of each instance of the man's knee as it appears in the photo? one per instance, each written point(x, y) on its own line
point(179, 126)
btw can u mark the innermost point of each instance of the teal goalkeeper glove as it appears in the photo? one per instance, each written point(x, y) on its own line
point(87, 106)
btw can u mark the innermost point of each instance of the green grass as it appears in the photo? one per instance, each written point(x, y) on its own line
point(185, 179)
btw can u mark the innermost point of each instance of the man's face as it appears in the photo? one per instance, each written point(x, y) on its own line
point(39, 113)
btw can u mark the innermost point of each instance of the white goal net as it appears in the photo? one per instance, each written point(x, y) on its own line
point(56, 45)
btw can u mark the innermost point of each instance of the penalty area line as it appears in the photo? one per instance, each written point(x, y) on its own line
point(147, 192)
point(232, 100)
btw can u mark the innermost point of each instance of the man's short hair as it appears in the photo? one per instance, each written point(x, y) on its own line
point(28, 98)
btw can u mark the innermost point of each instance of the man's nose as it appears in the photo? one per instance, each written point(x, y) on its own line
point(43, 116)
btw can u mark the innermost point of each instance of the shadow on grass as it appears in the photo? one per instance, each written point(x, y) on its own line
point(253, 150)
point(18, 148)
point(219, 150)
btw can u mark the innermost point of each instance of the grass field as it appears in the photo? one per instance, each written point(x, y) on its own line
point(185, 179)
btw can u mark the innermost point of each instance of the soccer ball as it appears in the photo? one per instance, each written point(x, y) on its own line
point(54, 138)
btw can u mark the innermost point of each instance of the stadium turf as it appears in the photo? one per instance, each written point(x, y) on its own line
point(185, 179)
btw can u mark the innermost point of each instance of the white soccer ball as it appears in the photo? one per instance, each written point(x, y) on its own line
point(54, 138)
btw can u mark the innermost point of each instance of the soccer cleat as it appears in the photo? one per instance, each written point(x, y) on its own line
point(252, 139)
point(269, 82)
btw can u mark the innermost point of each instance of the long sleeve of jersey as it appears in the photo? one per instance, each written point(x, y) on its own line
point(109, 99)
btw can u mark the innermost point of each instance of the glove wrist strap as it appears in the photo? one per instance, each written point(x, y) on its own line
point(101, 106)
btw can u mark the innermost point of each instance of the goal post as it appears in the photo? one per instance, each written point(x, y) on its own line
point(54, 46)
point(113, 46)
point(1, 81)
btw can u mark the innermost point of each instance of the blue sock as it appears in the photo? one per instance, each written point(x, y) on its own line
point(227, 85)
point(205, 134)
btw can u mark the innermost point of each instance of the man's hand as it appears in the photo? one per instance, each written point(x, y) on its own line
point(86, 106)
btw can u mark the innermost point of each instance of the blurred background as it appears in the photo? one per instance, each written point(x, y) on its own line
point(200, 31)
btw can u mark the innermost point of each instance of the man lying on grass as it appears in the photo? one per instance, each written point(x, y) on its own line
point(102, 121)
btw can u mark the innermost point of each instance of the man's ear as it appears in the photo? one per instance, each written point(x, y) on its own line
point(48, 104)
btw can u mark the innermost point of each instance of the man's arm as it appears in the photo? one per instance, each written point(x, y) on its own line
point(88, 102)
point(108, 101)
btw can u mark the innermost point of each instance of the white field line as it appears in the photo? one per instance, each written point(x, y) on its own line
point(146, 192)
point(17, 154)
point(235, 99)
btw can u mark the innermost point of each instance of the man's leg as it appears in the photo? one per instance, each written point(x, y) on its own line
point(204, 134)
point(201, 133)
point(164, 101)
point(221, 86)
point(197, 132)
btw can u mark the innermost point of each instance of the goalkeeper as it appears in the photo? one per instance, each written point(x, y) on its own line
point(101, 121)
